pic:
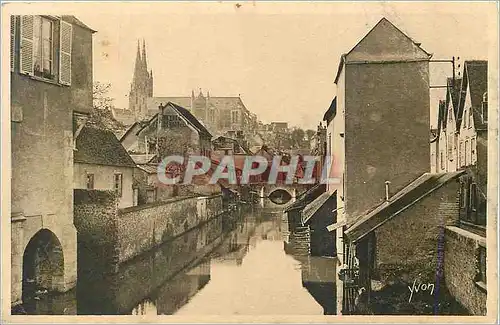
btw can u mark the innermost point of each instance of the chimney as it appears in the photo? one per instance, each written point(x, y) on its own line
point(387, 183)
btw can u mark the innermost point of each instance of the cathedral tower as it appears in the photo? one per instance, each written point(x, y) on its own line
point(141, 87)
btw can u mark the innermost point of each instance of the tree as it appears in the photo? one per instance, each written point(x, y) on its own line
point(309, 134)
point(100, 95)
point(298, 137)
point(102, 115)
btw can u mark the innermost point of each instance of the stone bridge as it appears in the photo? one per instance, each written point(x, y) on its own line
point(285, 192)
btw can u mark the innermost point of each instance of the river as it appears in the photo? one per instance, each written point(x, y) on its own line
point(238, 264)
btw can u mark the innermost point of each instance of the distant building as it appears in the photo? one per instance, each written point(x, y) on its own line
point(142, 85)
point(218, 114)
point(51, 97)
point(448, 110)
point(176, 129)
point(279, 126)
point(229, 146)
point(102, 163)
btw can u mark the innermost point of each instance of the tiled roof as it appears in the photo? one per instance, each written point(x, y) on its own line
point(407, 197)
point(313, 207)
point(101, 147)
point(307, 197)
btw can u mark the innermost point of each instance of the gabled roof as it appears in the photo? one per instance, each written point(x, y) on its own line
point(452, 98)
point(477, 72)
point(407, 197)
point(442, 113)
point(135, 125)
point(331, 111)
point(191, 119)
point(384, 43)
point(307, 197)
point(453, 93)
point(100, 147)
point(200, 128)
point(141, 159)
point(476, 77)
point(312, 208)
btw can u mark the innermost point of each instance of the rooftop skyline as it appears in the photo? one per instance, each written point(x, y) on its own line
point(281, 57)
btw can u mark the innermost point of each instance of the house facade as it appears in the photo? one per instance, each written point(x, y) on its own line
point(51, 96)
point(466, 249)
point(382, 86)
point(101, 163)
point(172, 130)
point(447, 142)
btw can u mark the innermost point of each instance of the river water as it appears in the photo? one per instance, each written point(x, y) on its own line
point(237, 264)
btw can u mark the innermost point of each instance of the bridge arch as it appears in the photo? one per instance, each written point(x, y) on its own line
point(43, 264)
point(281, 195)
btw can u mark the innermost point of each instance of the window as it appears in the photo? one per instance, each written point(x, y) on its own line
point(90, 181)
point(36, 44)
point(461, 154)
point(118, 184)
point(484, 108)
point(450, 147)
point(481, 261)
point(43, 51)
point(462, 196)
point(235, 117)
point(473, 197)
point(473, 149)
point(467, 153)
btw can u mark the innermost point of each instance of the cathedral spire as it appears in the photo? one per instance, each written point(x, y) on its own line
point(138, 65)
point(144, 61)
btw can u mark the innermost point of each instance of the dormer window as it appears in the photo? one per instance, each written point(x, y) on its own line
point(484, 108)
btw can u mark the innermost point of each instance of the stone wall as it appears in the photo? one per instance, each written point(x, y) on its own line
point(461, 254)
point(95, 214)
point(111, 236)
point(144, 227)
point(407, 245)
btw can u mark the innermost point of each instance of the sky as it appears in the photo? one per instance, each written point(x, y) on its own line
point(281, 58)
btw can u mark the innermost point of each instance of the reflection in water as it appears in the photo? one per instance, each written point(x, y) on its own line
point(231, 265)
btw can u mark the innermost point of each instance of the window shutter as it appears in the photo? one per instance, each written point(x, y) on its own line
point(26, 46)
point(12, 42)
point(66, 37)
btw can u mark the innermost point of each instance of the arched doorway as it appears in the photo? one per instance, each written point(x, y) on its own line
point(43, 265)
